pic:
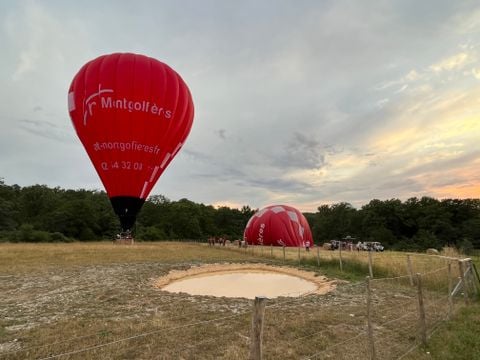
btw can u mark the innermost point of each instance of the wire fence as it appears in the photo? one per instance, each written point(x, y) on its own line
point(399, 324)
point(394, 310)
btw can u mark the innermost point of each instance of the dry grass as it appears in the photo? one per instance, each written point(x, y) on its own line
point(15, 258)
point(98, 300)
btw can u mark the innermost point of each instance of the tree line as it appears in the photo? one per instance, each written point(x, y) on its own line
point(41, 214)
point(414, 224)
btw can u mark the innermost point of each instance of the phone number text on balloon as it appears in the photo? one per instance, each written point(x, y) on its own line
point(121, 165)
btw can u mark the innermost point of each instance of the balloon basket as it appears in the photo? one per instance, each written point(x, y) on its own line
point(124, 239)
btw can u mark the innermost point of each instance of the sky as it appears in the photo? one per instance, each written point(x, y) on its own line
point(297, 102)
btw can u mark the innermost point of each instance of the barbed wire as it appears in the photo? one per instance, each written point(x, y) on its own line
point(393, 334)
point(389, 278)
point(311, 335)
point(434, 271)
point(192, 346)
point(396, 319)
point(297, 300)
point(341, 287)
point(335, 345)
point(97, 333)
point(140, 335)
point(382, 311)
point(437, 256)
point(392, 348)
point(209, 340)
point(433, 304)
point(435, 327)
point(409, 351)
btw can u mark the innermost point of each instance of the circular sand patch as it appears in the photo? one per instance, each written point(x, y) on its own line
point(244, 280)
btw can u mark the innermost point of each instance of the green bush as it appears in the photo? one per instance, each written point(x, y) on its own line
point(58, 236)
point(27, 233)
point(466, 247)
point(86, 234)
point(151, 233)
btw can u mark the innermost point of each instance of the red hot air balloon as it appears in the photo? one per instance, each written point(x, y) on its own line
point(278, 225)
point(132, 114)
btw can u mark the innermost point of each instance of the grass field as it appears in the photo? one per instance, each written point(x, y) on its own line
point(97, 300)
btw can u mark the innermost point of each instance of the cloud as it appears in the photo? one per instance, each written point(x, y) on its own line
point(302, 151)
point(45, 42)
point(468, 22)
point(476, 73)
point(221, 133)
point(45, 129)
point(403, 82)
point(402, 89)
point(40, 25)
point(412, 76)
point(454, 62)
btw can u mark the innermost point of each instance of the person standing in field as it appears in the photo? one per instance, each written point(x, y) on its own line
point(307, 245)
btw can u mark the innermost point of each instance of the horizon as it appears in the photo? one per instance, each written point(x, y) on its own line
point(239, 207)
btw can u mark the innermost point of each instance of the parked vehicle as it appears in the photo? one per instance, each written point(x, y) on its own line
point(360, 246)
point(334, 244)
point(369, 246)
point(376, 246)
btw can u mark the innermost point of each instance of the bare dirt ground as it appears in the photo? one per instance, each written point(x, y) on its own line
point(117, 292)
point(120, 300)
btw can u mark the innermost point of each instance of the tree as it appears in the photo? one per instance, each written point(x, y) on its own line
point(334, 222)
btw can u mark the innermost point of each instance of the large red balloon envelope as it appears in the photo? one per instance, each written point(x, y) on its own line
point(132, 113)
point(278, 225)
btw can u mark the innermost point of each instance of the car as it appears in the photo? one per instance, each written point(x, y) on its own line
point(376, 246)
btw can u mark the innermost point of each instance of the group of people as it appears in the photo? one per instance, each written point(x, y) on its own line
point(213, 240)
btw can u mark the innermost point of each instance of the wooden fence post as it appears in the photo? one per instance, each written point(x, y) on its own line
point(476, 276)
point(471, 276)
point(421, 312)
point(371, 343)
point(464, 284)
point(299, 254)
point(340, 256)
point(410, 270)
point(318, 256)
point(257, 328)
point(370, 269)
point(450, 289)
point(271, 251)
point(283, 253)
